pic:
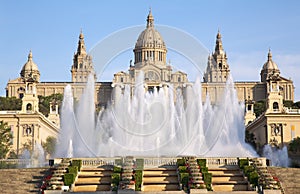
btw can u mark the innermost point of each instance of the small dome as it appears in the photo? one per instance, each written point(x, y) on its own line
point(30, 65)
point(150, 37)
point(270, 64)
point(30, 69)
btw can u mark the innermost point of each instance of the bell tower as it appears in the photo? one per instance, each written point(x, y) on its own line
point(82, 63)
point(217, 67)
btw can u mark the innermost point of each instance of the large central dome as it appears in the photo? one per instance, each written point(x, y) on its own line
point(150, 37)
point(150, 46)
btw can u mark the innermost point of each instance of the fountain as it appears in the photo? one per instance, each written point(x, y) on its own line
point(278, 157)
point(34, 159)
point(152, 124)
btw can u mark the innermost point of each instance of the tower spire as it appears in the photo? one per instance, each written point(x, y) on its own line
point(150, 19)
point(30, 56)
point(219, 46)
point(81, 46)
point(269, 55)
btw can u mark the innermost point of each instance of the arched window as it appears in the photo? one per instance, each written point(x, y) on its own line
point(220, 65)
point(28, 107)
point(275, 106)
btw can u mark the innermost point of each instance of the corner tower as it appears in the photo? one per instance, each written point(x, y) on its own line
point(217, 67)
point(82, 63)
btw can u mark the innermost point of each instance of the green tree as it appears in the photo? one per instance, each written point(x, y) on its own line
point(288, 103)
point(49, 145)
point(5, 139)
point(44, 102)
point(10, 103)
point(296, 104)
point(259, 107)
point(294, 145)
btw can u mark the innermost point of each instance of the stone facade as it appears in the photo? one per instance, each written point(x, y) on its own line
point(29, 126)
point(150, 57)
point(278, 125)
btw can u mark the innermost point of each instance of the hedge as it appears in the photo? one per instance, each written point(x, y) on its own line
point(182, 169)
point(69, 179)
point(243, 162)
point(248, 170)
point(181, 162)
point(139, 164)
point(138, 179)
point(115, 178)
point(184, 178)
point(117, 169)
point(73, 170)
point(77, 163)
point(207, 180)
point(204, 169)
point(201, 162)
point(253, 178)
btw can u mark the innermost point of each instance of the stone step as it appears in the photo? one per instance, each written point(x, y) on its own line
point(91, 188)
point(161, 187)
point(228, 178)
point(83, 169)
point(94, 174)
point(229, 187)
point(102, 180)
point(229, 182)
point(160, 173)
point(229, 173)
point(152, 180)
point(162, 168)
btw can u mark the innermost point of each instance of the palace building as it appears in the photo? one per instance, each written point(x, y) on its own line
point(150, 56)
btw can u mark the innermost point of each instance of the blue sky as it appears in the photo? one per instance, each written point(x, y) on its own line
point(51, 28)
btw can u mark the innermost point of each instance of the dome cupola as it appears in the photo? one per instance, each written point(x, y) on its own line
point(30, 70)
point(269, 69)
point(150, 46)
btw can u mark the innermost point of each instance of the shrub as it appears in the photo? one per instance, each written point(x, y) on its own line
point(181, 162)
point(253, 178)
point(117, 169)
point(243, 162)
point(73, 170)
point(184, 178)
point(140, 164)
point(69, 179)
point(204, 169)
point(207, 177)
point(182, 169)
point(207, 180)
point(77, 163)
point(201, 162)
point(248, 170)
point(138, 179)
point(115, 178)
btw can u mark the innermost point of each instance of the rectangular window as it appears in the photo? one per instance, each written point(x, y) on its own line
point(293, 132)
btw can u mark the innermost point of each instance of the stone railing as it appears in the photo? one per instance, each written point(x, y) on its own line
point(97, 161)
point(292, 111)
point(155, 162)
point(221, 161)
point(16, 163)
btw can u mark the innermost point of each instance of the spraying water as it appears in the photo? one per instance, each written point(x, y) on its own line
point(278, 157)
point(153, 123)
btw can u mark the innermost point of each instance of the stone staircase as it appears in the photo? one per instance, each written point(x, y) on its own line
point(93, 179)
point(17, 181)
point(289, 178)
point(160, 179)
point(227, 178)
